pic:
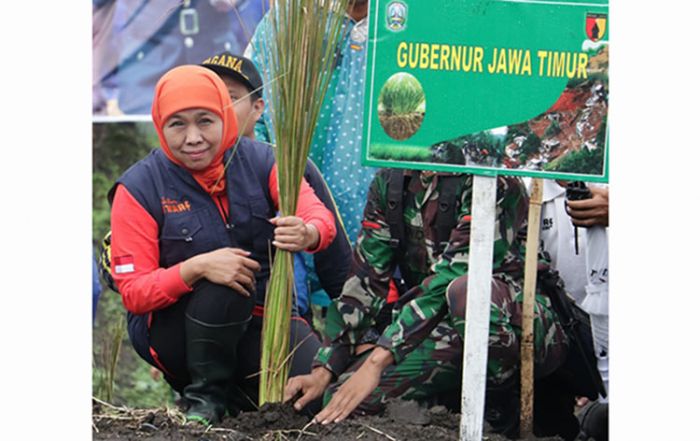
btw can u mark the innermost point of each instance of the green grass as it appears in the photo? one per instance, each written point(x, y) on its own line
point(119, 375)
point(400, 153)
point(402, 94)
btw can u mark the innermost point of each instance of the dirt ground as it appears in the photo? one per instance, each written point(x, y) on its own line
point(404, 420)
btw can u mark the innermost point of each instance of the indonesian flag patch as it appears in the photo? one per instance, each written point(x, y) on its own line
point(124, 264)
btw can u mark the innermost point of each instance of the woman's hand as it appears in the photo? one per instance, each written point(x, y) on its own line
point(226, 266)
point(356, 388)
point(311, 386)
point(292, 234)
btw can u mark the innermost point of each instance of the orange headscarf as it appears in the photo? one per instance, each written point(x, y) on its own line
point(196, 87)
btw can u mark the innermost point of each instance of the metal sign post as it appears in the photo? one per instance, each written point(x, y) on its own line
point(476, 327)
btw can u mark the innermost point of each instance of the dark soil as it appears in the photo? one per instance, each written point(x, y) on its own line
point(403, 420)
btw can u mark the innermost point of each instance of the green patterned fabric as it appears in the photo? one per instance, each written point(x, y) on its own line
point(425, 335)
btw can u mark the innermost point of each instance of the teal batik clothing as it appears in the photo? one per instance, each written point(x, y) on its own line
point(338, 136)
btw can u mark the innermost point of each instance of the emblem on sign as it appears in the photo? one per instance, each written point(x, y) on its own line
point(596, 25)
point(396, 14)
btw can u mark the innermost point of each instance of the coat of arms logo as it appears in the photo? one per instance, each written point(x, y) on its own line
point(396, 15)
point(596, 25)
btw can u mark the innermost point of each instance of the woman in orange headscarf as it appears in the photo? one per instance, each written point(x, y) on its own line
point(192, 225)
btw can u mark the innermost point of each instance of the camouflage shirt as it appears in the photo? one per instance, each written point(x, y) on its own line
point(374, 261)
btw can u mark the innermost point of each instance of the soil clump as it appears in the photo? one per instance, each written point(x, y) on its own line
point(403, 420)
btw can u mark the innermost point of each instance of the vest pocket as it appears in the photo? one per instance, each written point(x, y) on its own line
point(180, 237)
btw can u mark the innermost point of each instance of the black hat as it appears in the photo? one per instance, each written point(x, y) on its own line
point(237, 67)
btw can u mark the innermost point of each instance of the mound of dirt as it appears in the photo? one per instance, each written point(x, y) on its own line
point(403, 420)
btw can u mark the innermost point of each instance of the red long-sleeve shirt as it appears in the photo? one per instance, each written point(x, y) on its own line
point(135, 234)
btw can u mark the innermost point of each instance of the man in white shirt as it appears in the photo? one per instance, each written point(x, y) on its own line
point(574, 233)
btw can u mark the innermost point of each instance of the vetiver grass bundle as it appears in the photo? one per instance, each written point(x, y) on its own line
point(302, 44)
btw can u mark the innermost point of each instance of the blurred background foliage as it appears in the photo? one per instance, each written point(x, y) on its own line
point(119, 376)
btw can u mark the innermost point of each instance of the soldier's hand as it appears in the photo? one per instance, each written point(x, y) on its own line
point(356, 389)
point(311, 387)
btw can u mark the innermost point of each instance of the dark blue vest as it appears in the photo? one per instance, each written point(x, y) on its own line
point(189, 222)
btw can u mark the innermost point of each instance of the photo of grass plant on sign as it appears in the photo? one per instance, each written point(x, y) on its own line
point(500, 87)
point(401, 106)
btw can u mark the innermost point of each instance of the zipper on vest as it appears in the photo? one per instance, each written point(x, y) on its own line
point(224, 214)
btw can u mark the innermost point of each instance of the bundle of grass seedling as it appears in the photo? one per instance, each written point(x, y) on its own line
point(300, 60)
point(401, 106)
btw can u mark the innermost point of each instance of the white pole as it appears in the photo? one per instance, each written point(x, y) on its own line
point(476, 328)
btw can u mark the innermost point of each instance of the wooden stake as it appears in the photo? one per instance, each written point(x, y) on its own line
point(530, 283)
point(476, 328)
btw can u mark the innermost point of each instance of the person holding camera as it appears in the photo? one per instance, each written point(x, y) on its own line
point(574, 232)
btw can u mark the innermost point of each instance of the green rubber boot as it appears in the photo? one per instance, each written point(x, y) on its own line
point(211, 361)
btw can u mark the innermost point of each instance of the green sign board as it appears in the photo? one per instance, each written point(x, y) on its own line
point(511, 87)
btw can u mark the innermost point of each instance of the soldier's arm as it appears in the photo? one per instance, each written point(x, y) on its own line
point(419, 317)
point(364, 293)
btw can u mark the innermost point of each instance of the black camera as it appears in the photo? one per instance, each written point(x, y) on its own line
point(577, 191)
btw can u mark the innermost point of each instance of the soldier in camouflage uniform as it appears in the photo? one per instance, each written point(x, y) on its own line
point(424, 339)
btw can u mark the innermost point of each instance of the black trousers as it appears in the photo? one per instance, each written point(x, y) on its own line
point(162, 343)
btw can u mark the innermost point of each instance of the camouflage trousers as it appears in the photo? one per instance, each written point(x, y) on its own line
point(433, 371)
